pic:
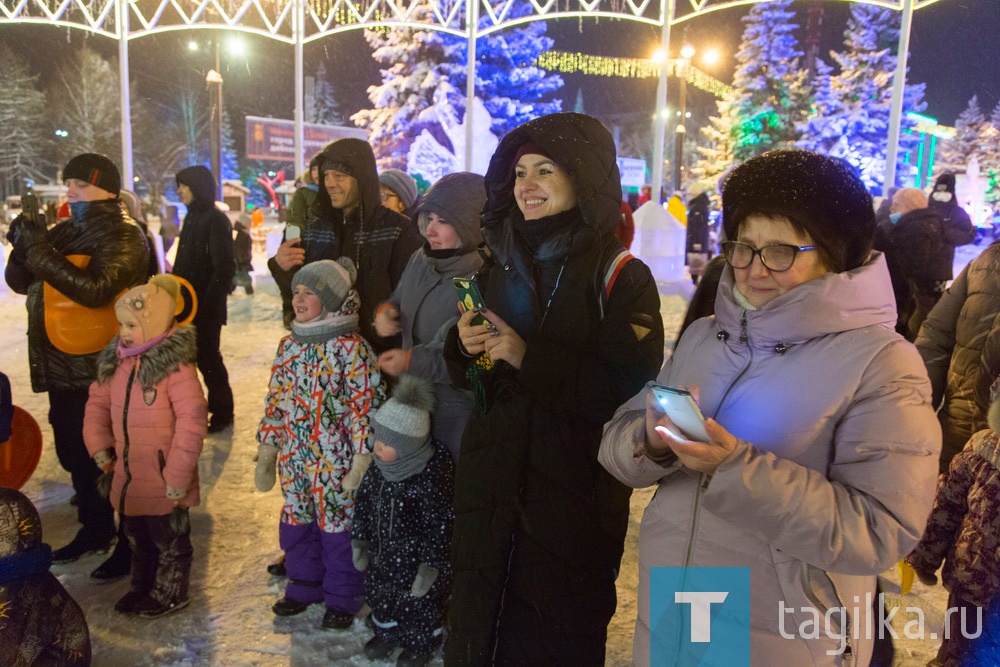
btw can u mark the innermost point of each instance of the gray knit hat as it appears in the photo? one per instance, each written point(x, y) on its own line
point(404, 423)
point(401, 183)
point(329, 280)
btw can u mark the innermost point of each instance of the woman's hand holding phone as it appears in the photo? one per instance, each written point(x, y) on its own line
point(663, 434)
point(473, 336)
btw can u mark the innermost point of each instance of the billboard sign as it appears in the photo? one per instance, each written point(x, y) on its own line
point(274, 138)
point(633, 172)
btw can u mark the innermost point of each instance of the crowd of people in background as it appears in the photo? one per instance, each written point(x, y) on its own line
point(463, 468)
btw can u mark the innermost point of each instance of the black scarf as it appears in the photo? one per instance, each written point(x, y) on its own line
point(550, 237)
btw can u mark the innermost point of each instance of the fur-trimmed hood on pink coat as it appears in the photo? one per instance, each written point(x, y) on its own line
point(151, 409)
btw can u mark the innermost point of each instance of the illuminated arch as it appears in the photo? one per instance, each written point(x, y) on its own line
point(298, 22)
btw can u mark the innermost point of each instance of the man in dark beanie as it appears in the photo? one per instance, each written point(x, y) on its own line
point(957, 228)
point(66, 366)
point(206, 259)
point(348, 219)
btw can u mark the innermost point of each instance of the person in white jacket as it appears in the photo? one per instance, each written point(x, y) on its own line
point(821, 465)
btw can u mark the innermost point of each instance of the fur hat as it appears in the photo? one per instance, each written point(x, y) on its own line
point(404, 423)
point(820, 195)
point(329, 280)
point(95, 169)
point(909, 199)
point(151, 305)
point(401, 183)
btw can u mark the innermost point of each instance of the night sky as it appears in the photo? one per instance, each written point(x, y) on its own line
point(953, 49)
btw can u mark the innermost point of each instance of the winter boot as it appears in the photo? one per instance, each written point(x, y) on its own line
point(379, 649)
point(79, 547)
point(410, 658)
point(277, 569)
point(127, 603)
point(286, 607)
point(117, 566)
point(150, 608)
point(335, 619)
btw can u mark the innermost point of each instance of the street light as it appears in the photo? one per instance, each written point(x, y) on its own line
point(213, 78)
point(687, 52)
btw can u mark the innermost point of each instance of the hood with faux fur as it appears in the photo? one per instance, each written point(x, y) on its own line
point(161, 360)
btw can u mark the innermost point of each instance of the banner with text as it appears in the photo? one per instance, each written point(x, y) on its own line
point(274, 138)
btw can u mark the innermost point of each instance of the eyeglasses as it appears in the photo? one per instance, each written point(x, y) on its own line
point(386, 196)
point(776, 257)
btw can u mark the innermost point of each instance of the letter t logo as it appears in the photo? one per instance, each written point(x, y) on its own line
point(701, 611)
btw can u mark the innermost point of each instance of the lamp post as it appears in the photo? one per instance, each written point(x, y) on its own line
point(213, 78)
point(687, 52)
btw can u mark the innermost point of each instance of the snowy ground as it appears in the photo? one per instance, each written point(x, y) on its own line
point(234, 531)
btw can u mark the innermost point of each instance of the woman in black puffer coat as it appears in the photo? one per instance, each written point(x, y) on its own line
point(539, 524)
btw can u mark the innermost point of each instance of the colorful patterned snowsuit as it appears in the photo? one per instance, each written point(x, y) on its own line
point(319, 403)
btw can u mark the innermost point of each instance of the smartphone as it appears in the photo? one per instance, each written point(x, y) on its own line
point(292, 232)
point(683, 411)
point(470, 297)
point(29, 206)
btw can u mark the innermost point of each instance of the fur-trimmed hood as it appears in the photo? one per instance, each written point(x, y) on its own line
point(161, 360)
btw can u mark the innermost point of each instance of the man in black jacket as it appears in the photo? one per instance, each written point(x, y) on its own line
point(348, 219)
point(118, 256)
point(205, 258)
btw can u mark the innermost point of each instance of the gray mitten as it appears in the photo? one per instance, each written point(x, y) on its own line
point(267, 459)
point(352, 480)
point(359, 553)
point(426, 576)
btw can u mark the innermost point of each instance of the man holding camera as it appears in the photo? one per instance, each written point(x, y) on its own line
point(116, 258)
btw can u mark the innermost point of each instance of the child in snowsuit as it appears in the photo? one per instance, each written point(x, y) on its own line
point(964, 531)
point(324, 386)
point(402, 528)
point(42, 624)
point(145, 424)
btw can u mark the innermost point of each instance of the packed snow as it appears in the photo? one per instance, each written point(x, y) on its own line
point(235, 530)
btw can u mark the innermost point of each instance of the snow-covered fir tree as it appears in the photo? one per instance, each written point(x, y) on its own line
point(417, 62)
point(511, 86)
point(824, 127)
point(716, 156)
point(769, 97)
point(83, 99)
point(325, 109)
point(230, 166)
point(863, 89)
point(771, 94)
point(955, 153)
point(990, 149)
point(21, 139)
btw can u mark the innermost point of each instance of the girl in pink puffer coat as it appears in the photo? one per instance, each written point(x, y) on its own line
point(145, 423)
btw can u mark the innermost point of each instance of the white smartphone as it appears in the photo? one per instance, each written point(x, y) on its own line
point(292, 232)
point(683, 411)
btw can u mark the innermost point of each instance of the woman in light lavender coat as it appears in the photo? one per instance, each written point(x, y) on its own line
point(821, 468)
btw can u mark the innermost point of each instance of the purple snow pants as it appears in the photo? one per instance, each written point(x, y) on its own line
point(320, 567)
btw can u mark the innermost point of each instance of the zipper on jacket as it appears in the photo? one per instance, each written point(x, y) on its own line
point(744, 338)
point(503, 597)
point(128, 474)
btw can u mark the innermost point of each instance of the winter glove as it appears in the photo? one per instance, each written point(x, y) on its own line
point(175, 494)
point(180, 520)
point(27, 233)
point(426, 576)
point(359, 553)
point(352, 480)
point(267, 459)
point(924, 578)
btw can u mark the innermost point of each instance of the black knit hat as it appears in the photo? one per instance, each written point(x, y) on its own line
point(945, 183)
point(95, 169)
point(820, 195)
